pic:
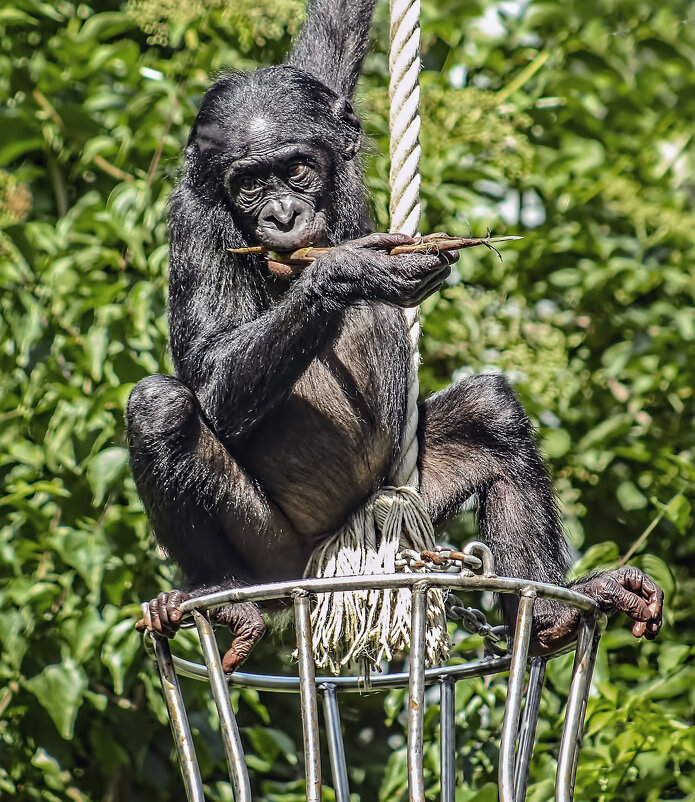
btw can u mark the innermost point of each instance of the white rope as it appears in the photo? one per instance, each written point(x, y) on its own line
point(404, 208)
point(368, 626)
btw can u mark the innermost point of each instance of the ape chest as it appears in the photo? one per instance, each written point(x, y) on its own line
point(321, 452)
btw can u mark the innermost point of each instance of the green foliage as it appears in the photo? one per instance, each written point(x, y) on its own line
point(568, 123)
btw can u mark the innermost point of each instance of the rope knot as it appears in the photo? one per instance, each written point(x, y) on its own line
point(369, 626)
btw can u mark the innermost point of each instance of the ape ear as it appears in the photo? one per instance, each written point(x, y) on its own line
point(351, 124)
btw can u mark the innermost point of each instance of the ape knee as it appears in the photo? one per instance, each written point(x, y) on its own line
point(160, 405)
point(496, 403)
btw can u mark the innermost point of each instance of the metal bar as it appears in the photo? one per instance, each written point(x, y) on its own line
point(233, 750)
point(179, 721)
point(447, 737)
point(279, 684)
point(515, 689)
point(307, 696)
point(275, 590)
point(416, 696)
point(576, 707)
point(336, 749)
point(529, 721)
point(580, 729)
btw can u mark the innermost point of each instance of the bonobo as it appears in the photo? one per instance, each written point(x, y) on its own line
point(287, 409)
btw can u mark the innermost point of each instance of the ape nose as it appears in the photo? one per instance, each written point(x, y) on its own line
point(281, 213)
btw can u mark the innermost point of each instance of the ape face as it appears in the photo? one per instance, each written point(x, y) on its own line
point(280, 194)
point(275, 145)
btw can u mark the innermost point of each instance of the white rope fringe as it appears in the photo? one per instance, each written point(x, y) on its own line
point(368, 626)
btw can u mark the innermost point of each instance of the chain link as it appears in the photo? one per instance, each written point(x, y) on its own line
point(444, 558)
point(440, 559)
point(473, 620)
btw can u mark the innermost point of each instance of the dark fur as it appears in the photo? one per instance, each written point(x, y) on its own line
point(289, 401)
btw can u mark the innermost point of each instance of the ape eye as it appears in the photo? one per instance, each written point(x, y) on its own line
point(298, 170)
point(249, 185)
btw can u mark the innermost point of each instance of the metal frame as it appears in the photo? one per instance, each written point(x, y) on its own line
point(518, 732)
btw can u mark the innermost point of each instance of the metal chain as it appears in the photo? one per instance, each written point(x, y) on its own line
point(441, 558)
point(444, 558)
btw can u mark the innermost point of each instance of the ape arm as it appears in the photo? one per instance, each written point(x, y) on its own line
point(239, 371)
point(333, 41)
point(476, 438)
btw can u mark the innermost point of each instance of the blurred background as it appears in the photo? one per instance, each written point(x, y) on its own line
point(570, 123)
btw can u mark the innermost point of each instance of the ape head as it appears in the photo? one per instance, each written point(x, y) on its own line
point(278, 148)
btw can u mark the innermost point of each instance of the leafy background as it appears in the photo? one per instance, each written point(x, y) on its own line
point(571, 123)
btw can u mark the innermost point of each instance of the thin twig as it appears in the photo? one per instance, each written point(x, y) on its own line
point(111, 169)
point(640, 540)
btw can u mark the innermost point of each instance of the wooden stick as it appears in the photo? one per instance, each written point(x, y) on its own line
point(290, 263)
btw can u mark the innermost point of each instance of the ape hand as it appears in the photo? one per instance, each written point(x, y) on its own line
point(363, 269)
point(163, 615)
point(630, 591)
point(626, 590)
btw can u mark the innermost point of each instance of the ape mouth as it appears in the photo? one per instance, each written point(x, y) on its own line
point(304, 234)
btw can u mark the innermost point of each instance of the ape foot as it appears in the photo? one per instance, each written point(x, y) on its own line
point(630, 591)
point(626, 590)
point(163, 615)
point(245, 621)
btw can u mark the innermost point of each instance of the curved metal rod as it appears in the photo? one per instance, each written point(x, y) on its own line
point(478, 548)
point(336, 748)
point(584, 658)
point(416, 693)
point(307, 695)
point(529, 722)
point(489, 665)
point(278, 590)
point(447, 737)
point(377, 682)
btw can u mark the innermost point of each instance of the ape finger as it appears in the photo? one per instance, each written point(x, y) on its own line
point(424, 290)
point(144, 624)
point(628, 602)
point(434, 235)
point(421, 266)
point(175, 598)
point(645, 587)
point(381, 241)
point(156, 625)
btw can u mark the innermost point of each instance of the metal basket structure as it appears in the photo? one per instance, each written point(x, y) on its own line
point(519, 727)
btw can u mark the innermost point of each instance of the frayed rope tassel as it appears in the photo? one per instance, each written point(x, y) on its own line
point(368, 626)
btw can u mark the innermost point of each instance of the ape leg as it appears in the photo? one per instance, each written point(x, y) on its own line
point(206, 512)
point(476, 438)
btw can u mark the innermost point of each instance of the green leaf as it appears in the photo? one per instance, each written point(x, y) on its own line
point(601, 555)
point(59, 689)
point(105, 26)
point(630, 496)
point(103, 471)
point(678, 511)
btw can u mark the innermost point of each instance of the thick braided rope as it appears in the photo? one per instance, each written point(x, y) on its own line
point(404, 122)
point(368, 626)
